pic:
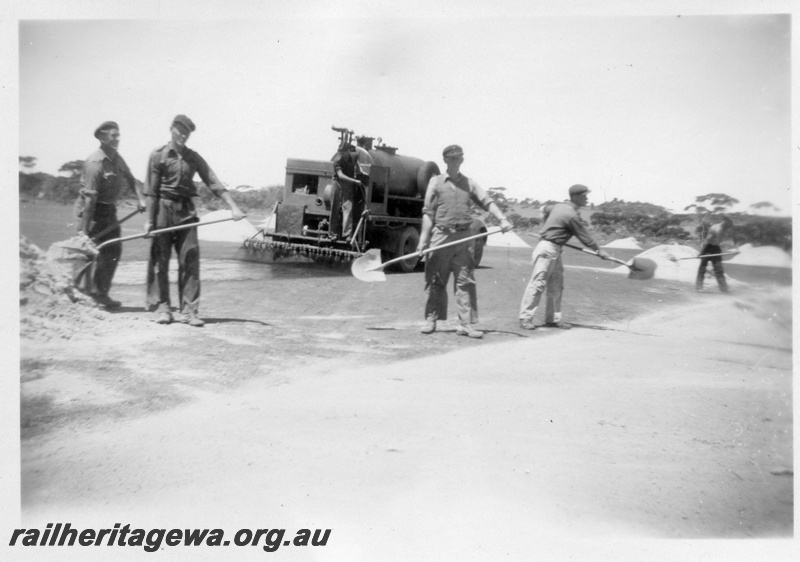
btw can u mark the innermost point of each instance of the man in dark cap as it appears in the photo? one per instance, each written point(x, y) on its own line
point(169, 189)
point(446, 219)
point(104, 178)
point(561, 223)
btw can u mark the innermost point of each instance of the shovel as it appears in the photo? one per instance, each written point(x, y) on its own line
point(82, 259)
point(673, 258)
point(641, 269)
point(368, 267)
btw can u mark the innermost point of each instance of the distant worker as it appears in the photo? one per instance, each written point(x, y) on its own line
point(562, 221)
point(345, 170)
point(104, 178)
point(712, 246)
point(445, 219)
point(169, 188)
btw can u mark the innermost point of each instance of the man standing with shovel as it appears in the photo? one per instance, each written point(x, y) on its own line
point(169, 188)
point(562, 223)
point(103, 179)
point(446, 219)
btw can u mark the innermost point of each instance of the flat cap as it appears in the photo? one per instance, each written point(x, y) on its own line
point(185, 121)
point(452, 150)
point(106, 126)
point(577, 189)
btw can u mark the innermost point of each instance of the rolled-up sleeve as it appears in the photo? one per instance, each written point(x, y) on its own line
point(152, 177)
point(92, 173)
point(208, 176)
point(480, 196)
point(431, 199)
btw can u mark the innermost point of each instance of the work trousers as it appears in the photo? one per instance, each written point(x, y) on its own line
point(716, 263)
point(105, 264)
point(342, 194)
point(174, 213)
point(458, 260)
point(548, 275)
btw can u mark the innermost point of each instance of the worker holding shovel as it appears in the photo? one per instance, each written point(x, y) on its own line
point(169, 188)
point(562, 223)
point(104, 177)
point(711, 251)
point(446, 219)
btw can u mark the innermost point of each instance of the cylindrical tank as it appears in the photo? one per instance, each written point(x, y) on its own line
point(408, 176)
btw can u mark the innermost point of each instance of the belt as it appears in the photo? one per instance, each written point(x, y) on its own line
point(456, 228)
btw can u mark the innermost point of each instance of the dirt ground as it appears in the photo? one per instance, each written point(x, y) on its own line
point(311, 400)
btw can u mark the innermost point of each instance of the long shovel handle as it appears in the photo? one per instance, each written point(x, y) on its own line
point(593, 253)
point(710, 256)
point(433, 249)
point(161, 231)
point(590, 252)
point(111, 227)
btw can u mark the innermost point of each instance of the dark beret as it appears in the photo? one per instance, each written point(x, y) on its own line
point(452, 150)
point(106, 126)
point(185, 121)
point(577, 189)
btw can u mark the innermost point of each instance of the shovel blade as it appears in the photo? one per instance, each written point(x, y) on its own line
point(367, 267)
point(642, 269)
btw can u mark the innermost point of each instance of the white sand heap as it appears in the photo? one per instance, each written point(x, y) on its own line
point(624, 243)
point(505, 240)
point(229, 231)
point(670, 265)
point(50, 305)
point(768, 256)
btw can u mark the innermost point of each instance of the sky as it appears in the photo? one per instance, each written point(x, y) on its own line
point(638, 105)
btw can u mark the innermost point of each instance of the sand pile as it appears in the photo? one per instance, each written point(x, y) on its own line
point(229, 231)
point(624, 243)
point(767, 256)
point(50, 304)
point(669, 264)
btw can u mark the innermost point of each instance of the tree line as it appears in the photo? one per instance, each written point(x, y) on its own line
point(611, 220)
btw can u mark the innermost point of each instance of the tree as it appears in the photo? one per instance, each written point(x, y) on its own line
point(73, 168)
point(764, 205)
point(719, 203)
point(27, 162)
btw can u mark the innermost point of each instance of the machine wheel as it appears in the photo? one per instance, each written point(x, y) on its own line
point(407, 244)
point(479, 244)
point(424, 175)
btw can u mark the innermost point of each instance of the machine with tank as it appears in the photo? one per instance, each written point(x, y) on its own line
point(387, 207)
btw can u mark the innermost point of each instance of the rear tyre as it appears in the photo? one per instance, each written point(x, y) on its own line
point(479, 244)
point(407, 244)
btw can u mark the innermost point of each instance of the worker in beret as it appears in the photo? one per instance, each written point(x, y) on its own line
point(169, 188)
point(562, 221)
point(104, 178)
point(446, 218)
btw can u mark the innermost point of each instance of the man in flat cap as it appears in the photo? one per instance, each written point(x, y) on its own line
point(104, 177)
point(446, 219)
point(169, 189)
point(561, 223)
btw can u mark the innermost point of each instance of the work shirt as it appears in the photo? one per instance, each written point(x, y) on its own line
point(563, 223)
point(447, 201)
point(716, 234)
point(170, 174)
point(107, 175)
